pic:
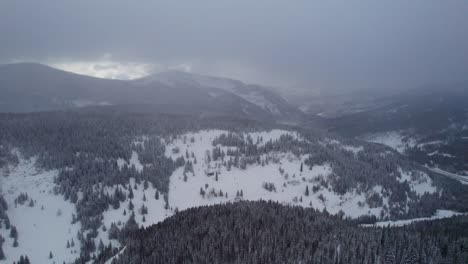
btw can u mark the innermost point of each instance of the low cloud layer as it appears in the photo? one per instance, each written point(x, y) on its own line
point(107, 69)
point(336, 45)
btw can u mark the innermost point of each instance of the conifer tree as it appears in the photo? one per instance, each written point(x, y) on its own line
point(13, 232)
point(101, 245)
point(2, 254)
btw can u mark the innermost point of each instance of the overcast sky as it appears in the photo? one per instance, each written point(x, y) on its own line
point(313, 44)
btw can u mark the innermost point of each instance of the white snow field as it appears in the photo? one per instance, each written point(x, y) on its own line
point(289, 186)
point(43, 228)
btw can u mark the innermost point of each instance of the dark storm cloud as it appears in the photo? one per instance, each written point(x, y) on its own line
point(317, 44)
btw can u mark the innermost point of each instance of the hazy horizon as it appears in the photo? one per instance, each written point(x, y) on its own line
point(335, 45)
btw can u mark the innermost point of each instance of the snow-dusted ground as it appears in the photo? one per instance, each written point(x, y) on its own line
point(156, 211)
point(440, 214)
point(45, 227)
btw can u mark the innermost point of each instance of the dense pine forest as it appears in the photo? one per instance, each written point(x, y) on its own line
point(267, 232)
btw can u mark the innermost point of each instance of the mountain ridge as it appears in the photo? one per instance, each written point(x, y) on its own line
point(31, 87)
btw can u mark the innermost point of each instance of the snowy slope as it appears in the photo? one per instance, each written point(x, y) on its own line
point(290, 185)
point(45, 227)
point(156, 211)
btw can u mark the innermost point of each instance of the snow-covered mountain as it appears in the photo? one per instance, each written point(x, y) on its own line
point(29, 87)
point(260, 96)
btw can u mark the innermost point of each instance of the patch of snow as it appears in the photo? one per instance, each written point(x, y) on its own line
point(440, 154)
point(85, 103)
point(353, 149)
point(134, 161)
point(272, 135)
point(434, 142)
point(393, 139)
point(121, 163)
point(419, 182)
point(440, 214)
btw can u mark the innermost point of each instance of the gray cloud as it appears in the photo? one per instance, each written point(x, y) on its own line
point(313, 44)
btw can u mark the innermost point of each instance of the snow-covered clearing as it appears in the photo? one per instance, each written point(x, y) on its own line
point(430, 143)
point(440, 214)
point(334, 142)
point(393, 139)
point(288, 187)
point(43, 228)
point(134, 161)
point(419, 182)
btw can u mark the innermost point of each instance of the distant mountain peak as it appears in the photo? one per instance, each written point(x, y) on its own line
point(258, 95)
point(175, 77)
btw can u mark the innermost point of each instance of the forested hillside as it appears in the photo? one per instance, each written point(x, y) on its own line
point(429, 125)
point(266, 232)
point(111, 170)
